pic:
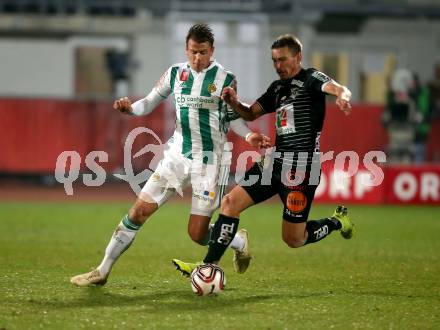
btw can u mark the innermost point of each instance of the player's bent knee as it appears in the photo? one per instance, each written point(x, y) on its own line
point(228, 206)
point(294, 242)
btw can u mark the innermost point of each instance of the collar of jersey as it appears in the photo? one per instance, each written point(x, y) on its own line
point(288, 82)
point(213, 62)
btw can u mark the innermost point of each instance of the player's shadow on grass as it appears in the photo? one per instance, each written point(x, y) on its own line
point(165, 301)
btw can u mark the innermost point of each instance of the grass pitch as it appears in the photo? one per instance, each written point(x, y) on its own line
point(386, 277)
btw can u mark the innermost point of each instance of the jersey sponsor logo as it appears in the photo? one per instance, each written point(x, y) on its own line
point(285, 130)
point(184, 75)
point(296, 201)
point(212, 88)
point(298, 83)
point(285, 123)
point(195, 102)
point(320, 76)
point(282, 118)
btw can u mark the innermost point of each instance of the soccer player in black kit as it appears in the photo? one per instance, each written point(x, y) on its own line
point(298, 101)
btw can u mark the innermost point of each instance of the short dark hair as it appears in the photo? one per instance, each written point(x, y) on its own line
point(289, 41)
point(200, 33)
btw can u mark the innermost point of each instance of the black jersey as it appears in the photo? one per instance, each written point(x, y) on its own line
point(299, 104)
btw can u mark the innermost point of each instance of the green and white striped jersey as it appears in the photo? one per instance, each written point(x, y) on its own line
point(201, 116)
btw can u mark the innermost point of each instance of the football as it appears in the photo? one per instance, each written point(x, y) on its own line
point(208, 279)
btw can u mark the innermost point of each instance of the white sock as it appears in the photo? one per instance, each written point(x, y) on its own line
point(237, 243)
point(120, 241)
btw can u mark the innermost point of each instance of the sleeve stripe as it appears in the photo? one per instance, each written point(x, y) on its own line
point(228, 80)
point(173, 77)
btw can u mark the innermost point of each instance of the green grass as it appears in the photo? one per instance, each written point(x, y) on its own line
point(386, 277)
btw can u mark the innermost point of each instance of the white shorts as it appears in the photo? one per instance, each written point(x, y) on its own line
point(175, 172)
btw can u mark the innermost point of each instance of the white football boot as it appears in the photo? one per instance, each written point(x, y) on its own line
point(242, 258)
point(92, 278)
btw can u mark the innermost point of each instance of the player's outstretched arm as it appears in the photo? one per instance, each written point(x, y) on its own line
point(141, 107)
point(256, 140)
point(249, 113)
point(342, 93)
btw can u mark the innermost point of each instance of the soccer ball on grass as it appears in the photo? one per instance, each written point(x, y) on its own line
point(208, 279)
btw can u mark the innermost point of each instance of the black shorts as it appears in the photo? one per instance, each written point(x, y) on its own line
point(297, 199)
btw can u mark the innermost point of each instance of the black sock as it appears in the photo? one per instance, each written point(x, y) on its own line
point(221, 236)
point(319, 229)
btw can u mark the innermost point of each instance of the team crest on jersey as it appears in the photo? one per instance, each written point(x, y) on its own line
point(211, 88)
point(184, 75)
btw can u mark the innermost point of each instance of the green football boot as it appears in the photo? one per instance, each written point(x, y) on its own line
point(347, 229)
point(185, 268)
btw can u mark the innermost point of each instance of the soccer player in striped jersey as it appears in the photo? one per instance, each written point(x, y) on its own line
point(298, 101)
point(197, 154)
